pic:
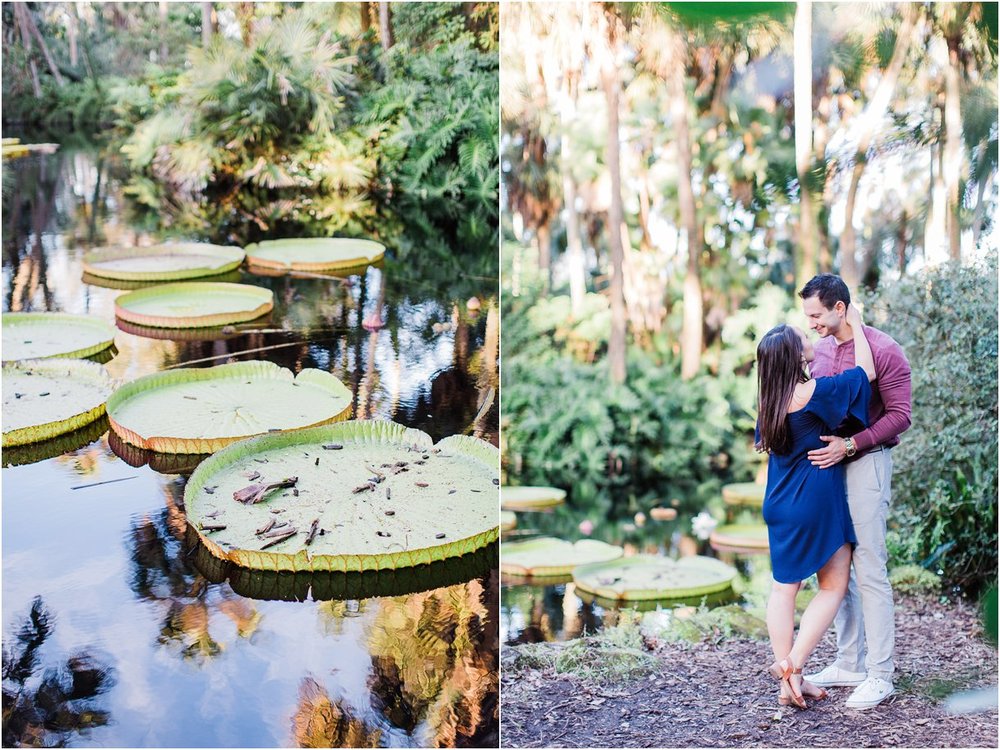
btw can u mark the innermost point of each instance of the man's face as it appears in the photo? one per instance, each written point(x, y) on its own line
point(824, 321)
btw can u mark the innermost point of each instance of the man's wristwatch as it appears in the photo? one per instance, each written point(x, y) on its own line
point(849, 447)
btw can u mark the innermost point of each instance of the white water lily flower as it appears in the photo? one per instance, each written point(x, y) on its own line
point(702, 525)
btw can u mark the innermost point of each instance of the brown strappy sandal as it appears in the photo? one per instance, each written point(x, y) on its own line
point(783, 671)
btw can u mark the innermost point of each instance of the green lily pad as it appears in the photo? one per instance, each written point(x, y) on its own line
point(740, 537)
point(193, 304)
point(45, 398)
point(208, 333)
point(163, 463)
point(319, 586)
point(201, 410)
point(748, 494)
point(186, 260)
point(317, 254)
point(367, 495)
point(648, 605)
point(546, 556)
point(531, 498)
point(31, 453)
point(43, 335)
point(508, 520)
point(651, 577)
point(232, 277)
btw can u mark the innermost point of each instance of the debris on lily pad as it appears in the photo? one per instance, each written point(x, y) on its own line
point(546, 556)
point(387, 498)
point(531, 498)
point(173, 262)
point(749, 494)
point(194, 304)
point(645, 577)
point(751, 537)
point(45, 398)
point(314, 254)
point(199, 410)
point(43, 335)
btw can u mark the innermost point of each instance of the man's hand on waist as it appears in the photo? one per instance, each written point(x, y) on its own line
point(832, 454)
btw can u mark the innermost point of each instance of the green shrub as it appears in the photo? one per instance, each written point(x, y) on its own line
point(944, 514)
point(913, 580)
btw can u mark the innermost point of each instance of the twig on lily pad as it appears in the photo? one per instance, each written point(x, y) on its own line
point(254, 493)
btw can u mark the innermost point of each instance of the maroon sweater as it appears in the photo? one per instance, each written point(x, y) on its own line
point(889, 408)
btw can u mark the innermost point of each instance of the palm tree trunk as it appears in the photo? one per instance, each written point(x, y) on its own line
point(543, 235)
point(616, 343)
point(72, 34)
point(980, 209)
point(901, 243)
point(163, 31)
point(935, 229)
point(805, 268)
point(209, 23)
point(953, 147)
point(384, 25)
point(692, 324)
point(574, 239)
point(871, 119)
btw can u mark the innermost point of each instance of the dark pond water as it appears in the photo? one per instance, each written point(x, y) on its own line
point(531, 613)
point(116, 634)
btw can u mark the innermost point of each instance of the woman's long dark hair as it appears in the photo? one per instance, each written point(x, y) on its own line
point(779, 369)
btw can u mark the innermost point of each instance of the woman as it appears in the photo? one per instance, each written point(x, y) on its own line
point(805, 508)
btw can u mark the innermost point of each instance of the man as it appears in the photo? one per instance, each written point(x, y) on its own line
point(864, 624)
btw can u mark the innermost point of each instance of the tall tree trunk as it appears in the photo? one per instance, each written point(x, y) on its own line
point(870, 121)
point(901, 243)
point(20, 9)
point(691, 327)
point(543, 236)
point(935, 228)
point(72, 34)
point(574, 239)
point(164, 13)
point(366, 17)
point(980, 209)
point(384, 25)
point(612, 92)
point(209, 24)
point(244, 14)
point(953, 146)
point(805, 267)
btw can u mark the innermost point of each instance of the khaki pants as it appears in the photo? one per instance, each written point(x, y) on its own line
point(866, 636)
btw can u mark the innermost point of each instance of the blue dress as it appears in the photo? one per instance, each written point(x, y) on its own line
point(805, 507)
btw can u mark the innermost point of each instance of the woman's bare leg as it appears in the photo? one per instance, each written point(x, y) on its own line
point(819, 614)
point(781, 617)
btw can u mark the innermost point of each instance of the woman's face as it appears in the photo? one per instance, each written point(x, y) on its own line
point(807, 348)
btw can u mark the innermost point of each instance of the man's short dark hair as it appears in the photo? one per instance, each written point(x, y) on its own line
point(830, 289)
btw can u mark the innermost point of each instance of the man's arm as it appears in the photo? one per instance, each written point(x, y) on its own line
point(895, 391)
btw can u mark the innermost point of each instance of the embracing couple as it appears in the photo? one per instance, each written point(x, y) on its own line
point(829, 415)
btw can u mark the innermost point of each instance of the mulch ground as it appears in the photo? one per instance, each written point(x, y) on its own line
point(717, 695)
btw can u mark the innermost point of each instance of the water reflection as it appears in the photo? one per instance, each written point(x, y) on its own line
point(43, 710)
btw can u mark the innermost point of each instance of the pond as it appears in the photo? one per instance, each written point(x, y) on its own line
point(114, 632)
point(555, 611)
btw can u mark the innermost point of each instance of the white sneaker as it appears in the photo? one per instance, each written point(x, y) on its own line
point(833, 676)
point(870, 693)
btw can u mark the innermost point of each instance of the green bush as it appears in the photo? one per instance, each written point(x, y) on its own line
point(913, 580)
point(944, 514)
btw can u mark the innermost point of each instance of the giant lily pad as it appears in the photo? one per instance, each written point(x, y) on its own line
point(546, 556)
point(651, 577)
point(740, 537)
point(187, 260)
point(319, 254)
point(193, 304)
point(202, 410)
point(70, 441)
point(43, 398)
point(749, 494)
point(326, 585)
point(531, 498)
point(230, 276)
point(43, 335)
point(207, 333)
point(347, 497)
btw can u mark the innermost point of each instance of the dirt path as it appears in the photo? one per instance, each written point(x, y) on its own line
point(716, 695)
